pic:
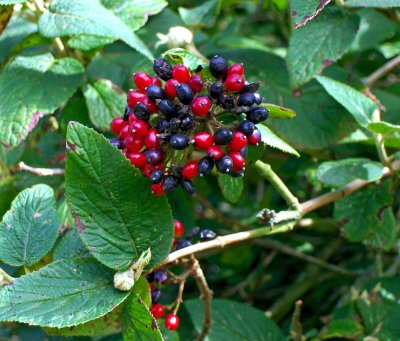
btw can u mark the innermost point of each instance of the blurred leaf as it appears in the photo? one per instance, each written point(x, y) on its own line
point(11, 2)
point(276, 111)
point(86, 42)
point(372, 3)
point(29, 229)
point(51, 82)
point(74, 110)
point(341, 172)
point(314, 47)
point(357, 104)
point(390, 50)
point(383, 127)
point(344, 329)
point(203, 15)
point(231, 188)
point(272, 140)
point(185, 57)
point(305, 10)
point(104, 101)
point(5, 16)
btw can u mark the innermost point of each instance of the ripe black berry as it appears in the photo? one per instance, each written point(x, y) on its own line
point(155, 296)
point(167, 108)
point(154, 156)
point(257, 115)
point(246, 127)
point(187, 123)
point(250, 87)
point(184, 93)
point(171, 183)
point(188, 186)
point(163, 69)
point(222, 136)
point(227, 102)
point(207, 235)
point(247, 99)
point(216, 90)
point(179, 141)
point(163, 125)
point(205, 166)
point(157, 176)
point(174, 125)
point(160, 276)
point(218, 66)
point(155, 92)
point(224, 164)
point(259, 98)
point(182, 244)
point(183, 111)
point(141, 112)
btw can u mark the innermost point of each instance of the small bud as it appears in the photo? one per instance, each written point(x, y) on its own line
point(124, 281)
point(177, 36)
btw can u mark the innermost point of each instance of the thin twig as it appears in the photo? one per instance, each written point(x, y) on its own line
point(40, 171)
point(297, 329)
point(390, 65)
point(181, 280)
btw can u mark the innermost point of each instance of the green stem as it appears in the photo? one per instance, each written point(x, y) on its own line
point(379, 142)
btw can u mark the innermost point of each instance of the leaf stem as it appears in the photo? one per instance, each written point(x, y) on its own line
point(390, 65)
point(379, 142)
point(40, 171)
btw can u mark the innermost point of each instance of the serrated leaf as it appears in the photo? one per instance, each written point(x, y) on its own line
point(367, 216)
point(112, 203)
point(104, 101)
point(373, 3)
point(29, 229)
point(272, 140)
point(231, 188)
point(73, 17)
point(276, 111)
point(314, 47)
point(185, 57)
point(31, 87)
point(305, 10)
point(62, 294)
point(356, 103)
point(383, 128)
point(137, 322)
point(341, 172)
point(203, 15)
point(70, 246)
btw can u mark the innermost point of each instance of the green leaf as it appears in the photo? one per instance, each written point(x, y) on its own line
point(341, 172)
point(185, 57)
point(137, 321)
point(62, 294)
point(373, 3)
point(70, 246)
point(272, 140)
point(31, 87)
point(112, 204)
point(11, 2)
point(104, 101)
point(87, 42)
point(343, 328)
point(314, 47)
point(142, 289)
point(30, 228)
point(234, 321)
point(203, 15)
point(231, 188)
point(73, 17)
point(383, 127)
point(356, 103)
point(367, 216)
point(276, 111)
point(305, 10)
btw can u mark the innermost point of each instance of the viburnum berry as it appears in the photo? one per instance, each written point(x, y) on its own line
point(156, 81)
point(236, 68)
point(234, 83)
point(255, 138)
point(180, 73)
point(224, 164)
point(157, 176)
point(137, 159)
point(150, 105)
point(247, 99)
point(170, 87)
point(223, 136)
point(135, 96)
point(154, 156)
point(117, 124)
point(188, 186)
point(124, 132)
point(141, 112)
point(238, 161)
point(182, 244)
point(205, 166)
point(156, 293)
point(138, 128)
point(157, 310)
point(160, 276)
point(206, 235)
point(246, 127)
point(179, 141)
point(196, 83)
point(190, 170)
point(217, 90)
point(239, 140)
point(142, 80)
point(133, 144)
point(148, 169)
point(172, 321)
point(257, 115)
point(215, 152)
point(157, 189)
point(178, 229)
point(171, 182)
point(203, 140)
point(155, 92)
point(184, 93)
point(201, 106)
point(218, 66)
point(162, 68)
point(151, 140)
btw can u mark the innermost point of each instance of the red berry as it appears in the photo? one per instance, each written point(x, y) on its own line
point(180, 73)
point(124, 132)
point(237, 160)
point(170, 87)
point(138, 129)
point(135, 96)
point(117, 124)
point(131, 117)
point(157, 189)
point(149, 169)
point(236, 68)
point(201, 106)
point(150, 104)
point(157, 311)
point(234, 83)
point(132, 144)
point(137, 159)
point(142, 80)
point(172, 321)
point(190, 170)
point(239, 140)
point(178, 228)
point(215, 152)
point(255, 138)
point(156, 81)
point(196, 83)
point(151, 140)
point(203, 140)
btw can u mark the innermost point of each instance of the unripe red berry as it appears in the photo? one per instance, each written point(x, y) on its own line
point(201, 106)
point(131, 117)
point(117, 124)
point(172, 321)
point(178, 229)
point(170, 87)
point(151, 140)
point(138, 129)
point(237, 160)
point(203, 140)
point(157, 311)
point(135, 96)
point(157, 189)
point(150, 104)
point(190, 170)
point(196, 83)
point(180, 73)
point(148, 169)
point(137, 159)
point(142, 80)
point(239, 140)
point(236, 68)
point(234, 83)
point(156, 81)
point(255, 138)
point(133, 144)
point(124, 132)
point(215, 152)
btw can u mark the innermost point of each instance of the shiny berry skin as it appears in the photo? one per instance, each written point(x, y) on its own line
point(217, 90)
point(133, 144)
point(170, 87)
point(117, 124)
point(141, 111)
point(160, 276)
point(236, 68)
point(238, 161)
point(196, 83)
point(255, 138)
point(203, 140)
point(150, 105)
point(215, 152)
point(257, 115)
point(179, 141)
point(247, 99)
point(188, 187)
point(180, 73)
point(201, 106)
point(157, 189)
point(178, 229)
point(167, 108)
point(234, 83)
point(135, 96)
point(184, 93)
point(187, 123)
point(151, 140)
point(155, 92)
point(182, 244)
point(157, 176)
point(157, 311)
point(205, 166)
point(124, 132)
point(155, 294)
point(190, 170)
point(142, 80)
point(206, 235)
point(224, 164)
point(139, 129)
point(258, 98)
point(156, 81)
point(172, 321)
point(148, 169)
point(154, 156)
point(162, 68)
point(223, 136)
point(171, 183)
point(137, 159)
point(218, 66)
point(238, 141)
point(246, 127)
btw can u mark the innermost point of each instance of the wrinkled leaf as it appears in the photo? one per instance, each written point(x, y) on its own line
point(185, 57)
point(305, 10)
point(272, 140)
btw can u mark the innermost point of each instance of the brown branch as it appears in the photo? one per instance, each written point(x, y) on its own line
point(389, 66)
point(297, 328)
point(40, 171)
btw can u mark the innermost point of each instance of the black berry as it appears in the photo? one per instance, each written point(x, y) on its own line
point(222, 136)
point(182, 244)
point(258, 97)
point(184, 93)
point(154, 156)
point(179, 141)
point(170, 183)
point(141, 112)
point(246, 127)
point(187, 123)
point(188, 186)
point(257, 115)
point(205, 166)
point(155, 92)
point(224, 164)
point(207, 235)
point(218, 66)
point(167, 108)
point(157, 176)
point(216, 90)
point(227, 102)
point(247, 99)
point(163, 69)
point(155, 296)
point(163, 126)
point(160, 276)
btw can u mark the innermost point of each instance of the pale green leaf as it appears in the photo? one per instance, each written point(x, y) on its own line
point(272, 140)
point(276, 111)
point(202, 15)
point(372, 3)
point(11, 2)
point(383, 127)
point(231, 188)
point(305, 10)
point(185, 57)
point(86, 42)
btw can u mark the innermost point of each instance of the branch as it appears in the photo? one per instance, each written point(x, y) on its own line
point(40, 171)
point(390, 65)
point(297, 329)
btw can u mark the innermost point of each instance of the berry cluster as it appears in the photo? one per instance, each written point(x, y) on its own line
point(182, 116)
